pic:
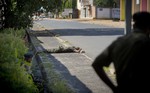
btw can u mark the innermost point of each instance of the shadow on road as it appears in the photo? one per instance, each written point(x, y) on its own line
point(72, 80)
point(88, 32)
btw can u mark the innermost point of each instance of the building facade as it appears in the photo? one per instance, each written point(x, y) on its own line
point(85, 8)
point(137, 6)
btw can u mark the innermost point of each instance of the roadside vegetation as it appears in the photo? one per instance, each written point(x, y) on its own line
point(106, 3)
point(13, 77)
point(16, 16)
point(18, 13)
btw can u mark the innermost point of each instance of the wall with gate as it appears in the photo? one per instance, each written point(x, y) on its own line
point(108, 13)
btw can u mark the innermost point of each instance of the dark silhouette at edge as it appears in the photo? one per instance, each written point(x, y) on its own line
point(130, 56)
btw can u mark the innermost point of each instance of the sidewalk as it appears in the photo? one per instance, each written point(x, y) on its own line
point(109, 23)
point(75, 68)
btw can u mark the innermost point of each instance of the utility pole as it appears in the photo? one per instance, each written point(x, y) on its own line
point(128, 16)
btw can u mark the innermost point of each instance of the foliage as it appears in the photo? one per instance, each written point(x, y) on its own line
point(1, 14)
point(15, 79)
point(60, 87)
point(9, 44)
point(74, 4)
point(117, 2)
point(53, 5)
point(17, 33)
point(57, 6)
point(68, 4)
point(13, 76)
point(104, 3)
point(18, 13)
point(12, 48)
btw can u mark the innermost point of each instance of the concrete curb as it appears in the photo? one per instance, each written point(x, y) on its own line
point(37, 50)
point(43, 62)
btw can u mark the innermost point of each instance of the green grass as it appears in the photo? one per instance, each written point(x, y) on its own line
point(13, 76)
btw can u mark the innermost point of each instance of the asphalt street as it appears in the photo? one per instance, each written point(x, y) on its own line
point(92, 38)
point(76, 68)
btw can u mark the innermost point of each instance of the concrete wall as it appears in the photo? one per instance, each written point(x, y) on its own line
point(67, 13)
point(103, 13)
point(115, 13)
point(108, 13)
point(79, 4)
point(85, 8)
point(135, 6)
point(144, 5)
point(93, 11)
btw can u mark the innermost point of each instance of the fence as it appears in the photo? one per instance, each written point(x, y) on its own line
point(108, 13)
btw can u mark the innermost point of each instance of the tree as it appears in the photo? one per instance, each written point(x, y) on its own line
point(70, 4)
point(117, 3)
point(2, 8)
point(104, 3)
point(18, 13)
point(57, 6)
point(74, 4)
point(54, 6)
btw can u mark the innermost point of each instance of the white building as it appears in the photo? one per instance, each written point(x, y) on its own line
point(86, 8)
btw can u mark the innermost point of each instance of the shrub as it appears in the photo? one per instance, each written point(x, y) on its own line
point(12, 48)
point(13, 77)
point(17, 33)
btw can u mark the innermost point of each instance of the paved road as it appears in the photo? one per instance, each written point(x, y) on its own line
point(92, 38)
point(77, 68)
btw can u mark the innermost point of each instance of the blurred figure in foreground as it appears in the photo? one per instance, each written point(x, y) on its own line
point(130, 56)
